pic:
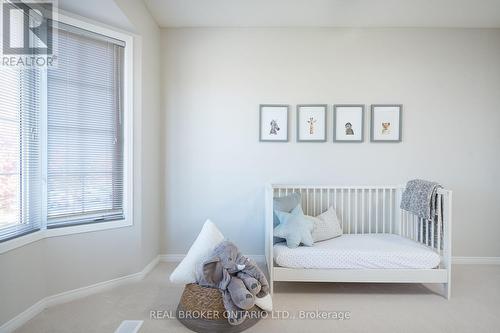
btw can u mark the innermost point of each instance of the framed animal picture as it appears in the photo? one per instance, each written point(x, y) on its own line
point(386, 123)
point(348, 123)
point(273, 122)
point(311, 122)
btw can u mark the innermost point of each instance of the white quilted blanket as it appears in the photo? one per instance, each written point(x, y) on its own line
point(358, 251)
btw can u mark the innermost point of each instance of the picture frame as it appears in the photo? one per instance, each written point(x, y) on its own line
point(273, 122)
point(349, 123)
point(311, 122)
point(386, 122)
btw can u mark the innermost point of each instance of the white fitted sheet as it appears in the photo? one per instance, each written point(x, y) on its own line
point(358, 251)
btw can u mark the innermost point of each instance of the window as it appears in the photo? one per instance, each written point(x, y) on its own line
point(20, 185)
point(84, 129)
point(65, 136)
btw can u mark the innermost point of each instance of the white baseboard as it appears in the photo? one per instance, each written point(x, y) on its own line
point(476, 260)
point(71, 295)
point(260, 258)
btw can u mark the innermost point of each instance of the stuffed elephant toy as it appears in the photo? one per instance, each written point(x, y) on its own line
point(239, 278)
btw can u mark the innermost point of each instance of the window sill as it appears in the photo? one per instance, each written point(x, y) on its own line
point(63, 231)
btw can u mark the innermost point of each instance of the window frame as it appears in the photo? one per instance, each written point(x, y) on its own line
point(128, 162)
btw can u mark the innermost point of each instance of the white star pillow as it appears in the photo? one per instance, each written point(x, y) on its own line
point(295, 227)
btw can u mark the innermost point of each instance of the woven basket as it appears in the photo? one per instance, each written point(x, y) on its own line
point(202, 310)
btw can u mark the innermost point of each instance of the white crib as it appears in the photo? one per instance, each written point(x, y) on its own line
point(366, 209)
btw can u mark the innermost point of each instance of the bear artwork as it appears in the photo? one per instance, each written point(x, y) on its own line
point(274, 128)
point(386, 128)
point(348, 129)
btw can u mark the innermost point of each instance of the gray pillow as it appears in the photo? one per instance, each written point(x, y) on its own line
point(284, 204)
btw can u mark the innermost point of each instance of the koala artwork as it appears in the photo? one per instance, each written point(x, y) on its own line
point(386, 128)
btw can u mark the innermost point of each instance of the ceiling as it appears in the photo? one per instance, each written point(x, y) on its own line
point(105, 11)
point(326, 13)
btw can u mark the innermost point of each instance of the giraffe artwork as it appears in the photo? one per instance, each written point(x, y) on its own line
point(311, 123)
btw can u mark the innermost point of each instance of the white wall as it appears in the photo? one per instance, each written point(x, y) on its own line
point(213, 80)
point(148, 101)
point(58, 264)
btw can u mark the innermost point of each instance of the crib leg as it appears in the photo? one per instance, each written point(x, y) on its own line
point(447, 290)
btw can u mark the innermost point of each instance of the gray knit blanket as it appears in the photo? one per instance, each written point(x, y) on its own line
point(420, 198)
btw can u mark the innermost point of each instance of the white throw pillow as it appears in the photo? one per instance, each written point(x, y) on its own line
point(326, 226)
point(207, 240)
point(265, 303)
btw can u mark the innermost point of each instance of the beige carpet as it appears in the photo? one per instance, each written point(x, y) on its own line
point(474, 306)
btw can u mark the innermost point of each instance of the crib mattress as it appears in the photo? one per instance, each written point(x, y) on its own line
point(358, 251)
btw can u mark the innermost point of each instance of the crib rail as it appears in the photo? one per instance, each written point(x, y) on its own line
point(375, 209)
point(369, 209)
point(364, 209)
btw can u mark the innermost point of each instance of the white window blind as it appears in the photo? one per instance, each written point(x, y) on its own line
point(20, 185)
point(85, 148)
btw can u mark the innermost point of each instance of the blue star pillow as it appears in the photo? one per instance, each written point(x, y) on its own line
point(295, 227)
